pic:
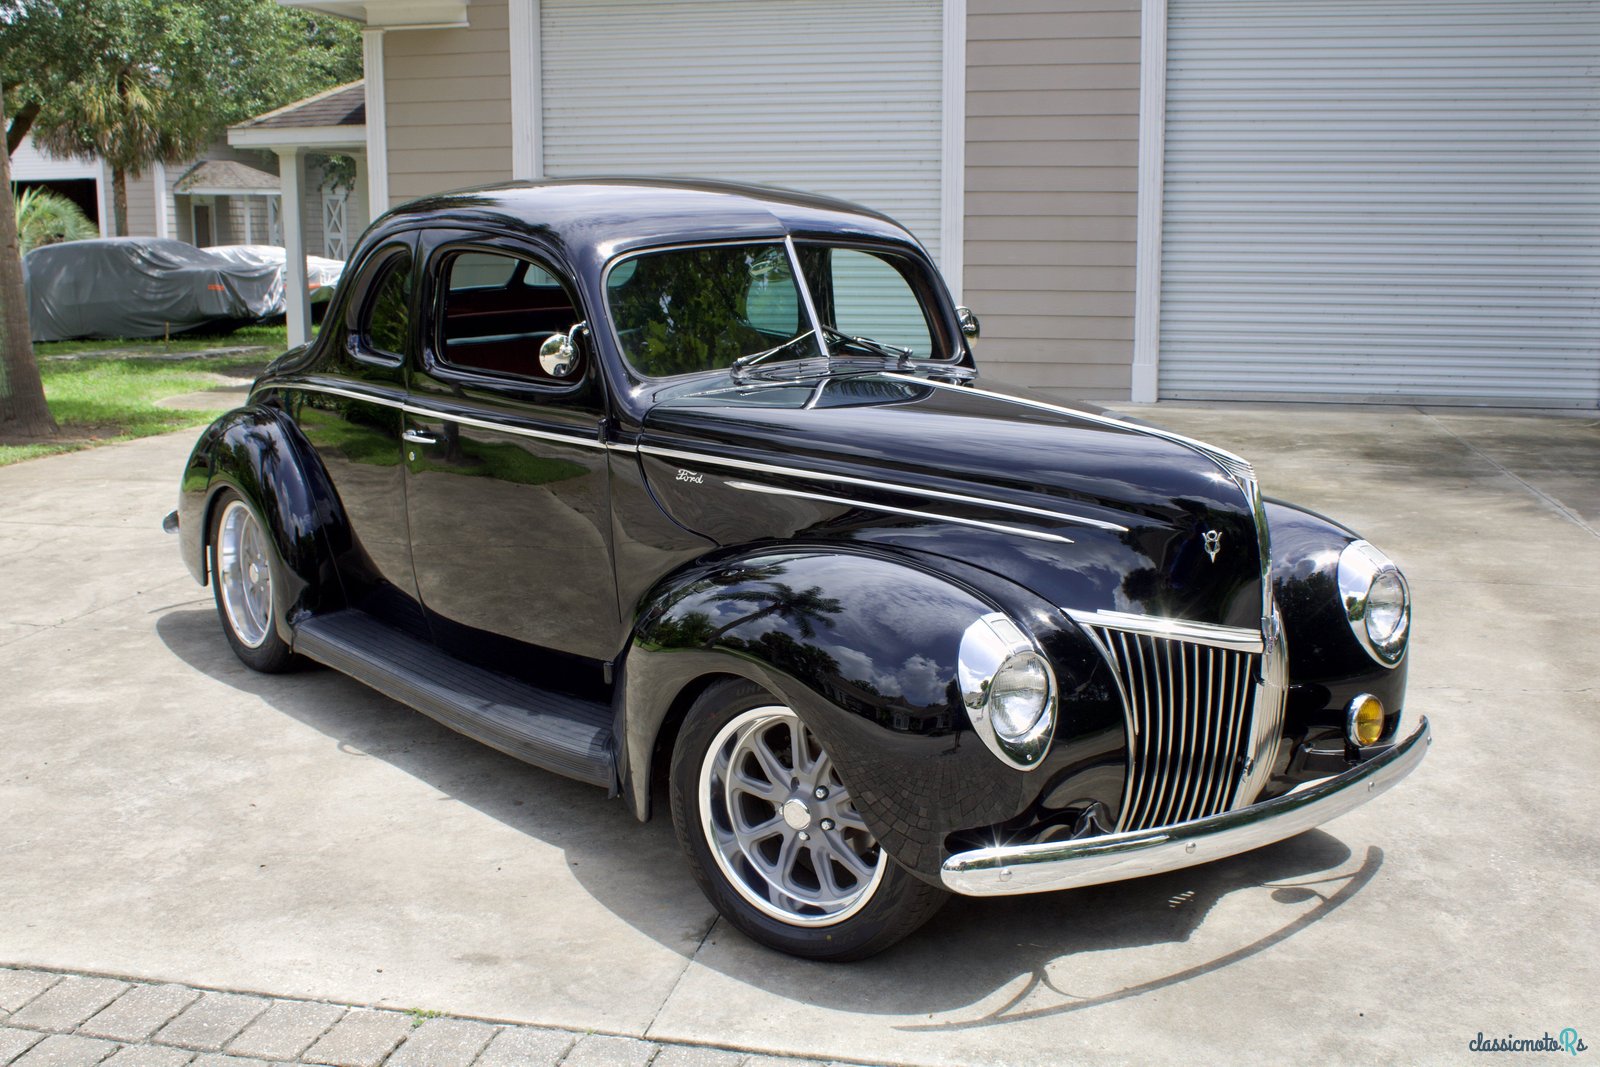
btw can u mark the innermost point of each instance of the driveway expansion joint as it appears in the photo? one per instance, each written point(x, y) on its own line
point(49, 1016)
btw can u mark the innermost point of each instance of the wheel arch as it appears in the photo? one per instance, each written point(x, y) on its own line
point(258, 453)
point(875, 680)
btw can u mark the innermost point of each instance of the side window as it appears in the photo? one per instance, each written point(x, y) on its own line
point(772, 303)
point(497, 310)
point(871, 298)
point(386, 317)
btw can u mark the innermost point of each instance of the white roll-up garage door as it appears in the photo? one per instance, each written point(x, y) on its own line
point(1383, 199)
point(837, 97)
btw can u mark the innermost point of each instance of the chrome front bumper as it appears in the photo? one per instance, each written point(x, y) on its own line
point(1011, 869)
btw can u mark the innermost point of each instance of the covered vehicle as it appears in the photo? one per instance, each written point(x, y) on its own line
point(143, 287)
point(322, 273)
point(641, 480)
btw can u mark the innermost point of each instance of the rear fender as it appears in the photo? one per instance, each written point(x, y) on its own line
point(259, 453)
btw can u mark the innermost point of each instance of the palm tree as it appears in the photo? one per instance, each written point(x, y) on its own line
point(801, 607)
point(45, 217)
point(122, 115)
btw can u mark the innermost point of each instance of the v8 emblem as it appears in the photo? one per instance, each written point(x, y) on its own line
point(1212, 542)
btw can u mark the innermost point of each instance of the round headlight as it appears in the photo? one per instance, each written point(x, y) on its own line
point(1376, 600)
point(1386, 607)
point(1018, 695)
point(1009, 690)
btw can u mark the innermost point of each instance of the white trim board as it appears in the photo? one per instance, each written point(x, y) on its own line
point(953, 165)
point(527, 91)
point(1152, 166)
point(302, 136)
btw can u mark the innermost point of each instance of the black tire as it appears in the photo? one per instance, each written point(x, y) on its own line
point(858, 920)
point(253, 632)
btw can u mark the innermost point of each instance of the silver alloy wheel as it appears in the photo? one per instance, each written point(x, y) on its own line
point(244, 575)
point(782, 826)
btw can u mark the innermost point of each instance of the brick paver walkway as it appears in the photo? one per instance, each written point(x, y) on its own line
point(58, 1019)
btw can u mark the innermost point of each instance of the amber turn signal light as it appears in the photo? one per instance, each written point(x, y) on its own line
point(1364, 721)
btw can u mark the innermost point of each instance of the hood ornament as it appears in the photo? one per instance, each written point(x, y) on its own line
point(1212, 543)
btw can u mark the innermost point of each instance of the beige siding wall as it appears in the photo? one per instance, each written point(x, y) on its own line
point(1051, 179)
point(449, 103)
point(141, 204)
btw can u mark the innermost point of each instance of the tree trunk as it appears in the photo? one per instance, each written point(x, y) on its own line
point(21, 123)
point(119, 200)
point(23, 411)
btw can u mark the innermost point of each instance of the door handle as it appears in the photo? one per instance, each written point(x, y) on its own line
point(417, 437)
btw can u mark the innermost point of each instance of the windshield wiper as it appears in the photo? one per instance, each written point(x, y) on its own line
point(901, 356)
point(739, 366)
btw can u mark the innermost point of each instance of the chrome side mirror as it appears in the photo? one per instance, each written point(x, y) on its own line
point(558, 356)
point(967, 321)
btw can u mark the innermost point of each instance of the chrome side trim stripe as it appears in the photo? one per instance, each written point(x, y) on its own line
point(868, 483)
point(446, 416)
point(772, 490)
point(1236, 466)
point(1236, 638)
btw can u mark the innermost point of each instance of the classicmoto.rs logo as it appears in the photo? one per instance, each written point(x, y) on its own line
point(1567, 1041)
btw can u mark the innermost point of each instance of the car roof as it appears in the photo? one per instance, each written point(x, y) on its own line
point(596, 218)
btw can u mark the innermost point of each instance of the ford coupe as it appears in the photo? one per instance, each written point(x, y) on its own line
point(699, 486)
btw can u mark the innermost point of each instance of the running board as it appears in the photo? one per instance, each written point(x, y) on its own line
point(563, 734)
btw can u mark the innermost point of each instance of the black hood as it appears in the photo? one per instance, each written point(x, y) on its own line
point(1088, 511)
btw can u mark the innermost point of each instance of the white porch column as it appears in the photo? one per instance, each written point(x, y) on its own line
point(296, 307)
point(163, 219)
point(377, 123)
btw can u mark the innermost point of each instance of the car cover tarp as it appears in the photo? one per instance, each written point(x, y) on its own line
point(322, 274)
point(142, 287)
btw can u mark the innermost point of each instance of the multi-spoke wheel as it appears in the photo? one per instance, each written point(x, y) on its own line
point(774, 836)
point(243, 566)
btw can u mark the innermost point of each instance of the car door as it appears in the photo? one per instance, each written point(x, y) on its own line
point(349, 409)
point(506, 470)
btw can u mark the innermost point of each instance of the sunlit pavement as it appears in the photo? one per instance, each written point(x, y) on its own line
point(167, 816)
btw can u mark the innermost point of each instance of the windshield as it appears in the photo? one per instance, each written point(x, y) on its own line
point(685, 310)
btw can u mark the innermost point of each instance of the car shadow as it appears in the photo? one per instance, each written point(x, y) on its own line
point(978, 963)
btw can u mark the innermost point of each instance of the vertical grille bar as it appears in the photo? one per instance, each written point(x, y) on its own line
point(1189, 708)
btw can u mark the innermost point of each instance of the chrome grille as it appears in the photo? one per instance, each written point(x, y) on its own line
point(1200, 721)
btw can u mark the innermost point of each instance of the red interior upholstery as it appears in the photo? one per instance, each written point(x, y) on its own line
point(500, 330)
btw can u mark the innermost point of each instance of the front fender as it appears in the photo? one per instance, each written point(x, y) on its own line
point(258, 452)
point(863, 647)
point(1328, 667)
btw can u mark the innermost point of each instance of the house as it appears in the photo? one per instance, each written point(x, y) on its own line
point(227, 196)
point(1372, 200)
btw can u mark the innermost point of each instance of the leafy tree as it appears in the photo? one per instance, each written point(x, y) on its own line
point(143, 81)
point(46, 218)
point(138, 82)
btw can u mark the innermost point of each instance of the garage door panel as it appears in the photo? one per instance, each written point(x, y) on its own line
point(740, 91)
point(1378, 199)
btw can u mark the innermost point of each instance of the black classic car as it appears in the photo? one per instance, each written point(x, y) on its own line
point(695, 490)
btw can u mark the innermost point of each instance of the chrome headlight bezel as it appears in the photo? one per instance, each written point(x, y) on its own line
point(991, 645)
point(1361, 566)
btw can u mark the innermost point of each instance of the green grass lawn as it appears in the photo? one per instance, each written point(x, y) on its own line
point(106, 391)
point(275, 338)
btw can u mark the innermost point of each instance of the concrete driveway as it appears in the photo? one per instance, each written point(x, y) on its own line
point(166, 814)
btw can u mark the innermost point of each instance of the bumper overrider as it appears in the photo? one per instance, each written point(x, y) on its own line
point(1039, 868)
